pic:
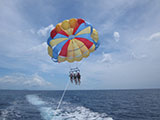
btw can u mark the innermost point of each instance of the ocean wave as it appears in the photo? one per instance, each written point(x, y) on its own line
point(10, 112)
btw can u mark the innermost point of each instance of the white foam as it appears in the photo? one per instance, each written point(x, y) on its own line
point(10, 111)
point(69, 112)
point(4, 114)
point(34, 100)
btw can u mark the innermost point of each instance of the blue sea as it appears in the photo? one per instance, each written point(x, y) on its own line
point(80, 105)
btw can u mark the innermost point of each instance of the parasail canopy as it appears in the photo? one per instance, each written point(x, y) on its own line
point(72, 40)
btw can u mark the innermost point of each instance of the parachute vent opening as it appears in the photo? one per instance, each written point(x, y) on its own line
point(71, 37)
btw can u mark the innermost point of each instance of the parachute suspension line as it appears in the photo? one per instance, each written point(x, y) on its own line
point(67, 85)
point(81, 63)
point(76, 64)
point(70, 66)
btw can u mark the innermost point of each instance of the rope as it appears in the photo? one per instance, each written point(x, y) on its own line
point(67, 85)
point(63, 95)
point(81, 63)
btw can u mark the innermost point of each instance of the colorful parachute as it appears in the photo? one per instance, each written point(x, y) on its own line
point(72, 40)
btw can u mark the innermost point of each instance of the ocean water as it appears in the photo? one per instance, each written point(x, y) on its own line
point(80, 105)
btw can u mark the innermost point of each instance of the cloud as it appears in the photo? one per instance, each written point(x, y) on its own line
point(40, 55)
point(43, 31)
point(154, 36)
point(22, 81)
point(138, 57)
point(39, 49)
point(121, 75)
point(106, 58)
point(116, 36)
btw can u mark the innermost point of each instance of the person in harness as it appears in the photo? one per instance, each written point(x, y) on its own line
point(75, 77)
point(71, 76)
point(79, 78)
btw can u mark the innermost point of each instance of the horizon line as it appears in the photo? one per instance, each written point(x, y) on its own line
point(80, 89)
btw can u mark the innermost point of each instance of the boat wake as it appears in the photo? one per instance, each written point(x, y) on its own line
point(67, 112)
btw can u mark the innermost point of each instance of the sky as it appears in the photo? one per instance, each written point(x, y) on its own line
point(127, 58)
